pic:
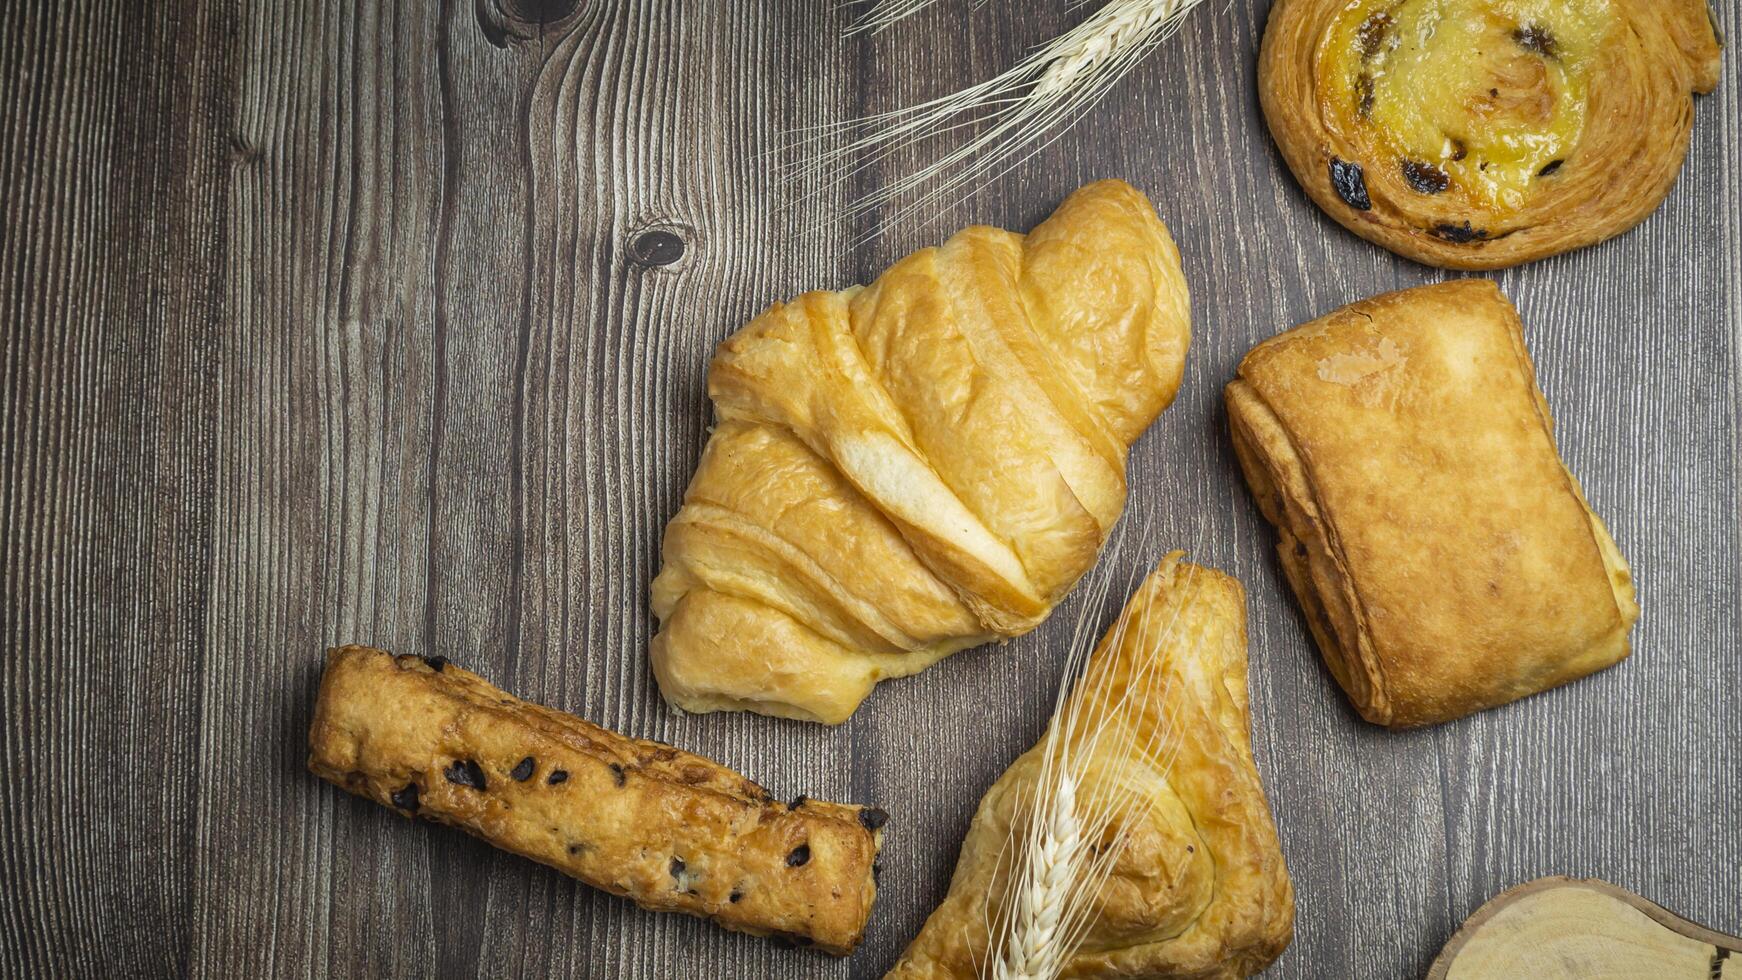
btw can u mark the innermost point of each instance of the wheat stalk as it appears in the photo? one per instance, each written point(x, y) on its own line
point(1015, 114)
point(1060, 861)
point(1119, 24)
point(886, 13)
point(1032, 949)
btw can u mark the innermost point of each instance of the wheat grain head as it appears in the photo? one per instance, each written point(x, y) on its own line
point(1068, 834)
point(1012, 115)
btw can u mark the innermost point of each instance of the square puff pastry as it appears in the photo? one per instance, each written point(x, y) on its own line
point(1445, 558)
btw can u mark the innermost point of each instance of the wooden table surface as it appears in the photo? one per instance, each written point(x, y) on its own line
point(327, 322)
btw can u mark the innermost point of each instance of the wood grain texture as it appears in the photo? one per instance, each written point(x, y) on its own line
point(322, 323)
point(1560, 928)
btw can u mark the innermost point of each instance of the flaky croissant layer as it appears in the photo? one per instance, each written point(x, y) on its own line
point(920, 465)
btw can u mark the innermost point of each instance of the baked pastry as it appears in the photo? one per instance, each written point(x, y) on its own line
point(906, 469)
point(671, 830)
point(1446, 560)
point(1159, 719)
point(1477, 134)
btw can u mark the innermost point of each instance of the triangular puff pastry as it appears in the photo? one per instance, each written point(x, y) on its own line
point(903, 470)
point(1200, 889)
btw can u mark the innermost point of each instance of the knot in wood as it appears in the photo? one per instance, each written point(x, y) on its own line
point(506, 22)
point(655, 247)
point(539, 11)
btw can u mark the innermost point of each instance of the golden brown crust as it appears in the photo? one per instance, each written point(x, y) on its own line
point(1446, 560)
point(669, 829)
point(1201, 890)
point(920, 465)
point(1626, 104)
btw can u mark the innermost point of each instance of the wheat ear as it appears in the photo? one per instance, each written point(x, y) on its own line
point(1059, 863)
point(886, 13)
point(1015, 114)
point(1055, 860)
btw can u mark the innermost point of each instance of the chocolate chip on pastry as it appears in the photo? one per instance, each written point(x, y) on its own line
point(924, 464)
point(669, 829)
point(1158, 735)
point(1478, 134)
point(1446, 560)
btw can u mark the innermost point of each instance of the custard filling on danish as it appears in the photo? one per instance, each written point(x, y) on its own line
point(1473, 99)
point(1478, 134)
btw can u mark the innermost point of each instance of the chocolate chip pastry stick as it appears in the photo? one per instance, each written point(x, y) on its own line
point(669, 829)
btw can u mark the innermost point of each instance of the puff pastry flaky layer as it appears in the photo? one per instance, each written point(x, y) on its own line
point(1477, 134)
point(1446, 560)
point(1200, 889)
point(903, 470)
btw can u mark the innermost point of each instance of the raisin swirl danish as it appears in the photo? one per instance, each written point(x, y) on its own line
point(1478, 134)
point(907, 469)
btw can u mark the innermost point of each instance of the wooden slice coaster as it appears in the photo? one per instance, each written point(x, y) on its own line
point(1565, 928)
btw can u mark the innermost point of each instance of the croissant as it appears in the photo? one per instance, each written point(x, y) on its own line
point(1159, 722)
point(1478, 134)
point(907, 469)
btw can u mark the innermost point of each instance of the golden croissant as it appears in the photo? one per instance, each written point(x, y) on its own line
point(1477, 134)
point(1155, 746)
point(903, 470)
